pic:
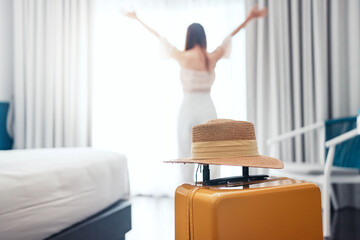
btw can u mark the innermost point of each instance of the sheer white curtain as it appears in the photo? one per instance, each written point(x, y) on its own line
point(137, 94)
point(303, 67)
point(52, 78)
point(286, 73)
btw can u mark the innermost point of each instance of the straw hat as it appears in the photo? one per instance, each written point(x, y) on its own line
point(227, 142)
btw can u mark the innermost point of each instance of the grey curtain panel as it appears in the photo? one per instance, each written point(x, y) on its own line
point(302, 67)
point(52, 73)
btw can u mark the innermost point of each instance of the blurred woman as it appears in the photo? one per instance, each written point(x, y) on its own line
point(197, 76)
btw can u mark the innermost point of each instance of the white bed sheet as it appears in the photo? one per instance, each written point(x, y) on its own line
point(43, 191)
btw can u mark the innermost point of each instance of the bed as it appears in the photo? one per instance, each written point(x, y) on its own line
point(65, 193)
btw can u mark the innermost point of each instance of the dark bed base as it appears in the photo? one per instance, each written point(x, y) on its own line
point(110, 224)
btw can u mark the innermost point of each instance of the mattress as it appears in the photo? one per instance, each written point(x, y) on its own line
point(44, 191)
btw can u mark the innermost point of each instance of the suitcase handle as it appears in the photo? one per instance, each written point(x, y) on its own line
point(221, 181)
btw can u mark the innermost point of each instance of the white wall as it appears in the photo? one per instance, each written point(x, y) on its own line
point(6, 49)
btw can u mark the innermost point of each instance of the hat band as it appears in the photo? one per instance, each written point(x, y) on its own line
point(224, 149)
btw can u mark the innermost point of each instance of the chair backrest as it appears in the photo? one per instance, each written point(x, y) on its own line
point(347, 154)
point(6, 141)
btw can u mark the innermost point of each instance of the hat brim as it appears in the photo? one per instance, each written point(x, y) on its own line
point(259, 161)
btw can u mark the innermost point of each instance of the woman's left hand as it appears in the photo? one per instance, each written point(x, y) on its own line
point(129, 14)
point(257, 13)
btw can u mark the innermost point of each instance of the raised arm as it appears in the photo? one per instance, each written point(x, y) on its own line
point(254, 13)
point(133, 15)
point(169, 51)
point(224, 47)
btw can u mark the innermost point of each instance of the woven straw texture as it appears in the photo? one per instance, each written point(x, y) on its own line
point(224, 130)
point(255, 161)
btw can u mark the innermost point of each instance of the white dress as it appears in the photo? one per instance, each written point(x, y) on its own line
point(197, 108)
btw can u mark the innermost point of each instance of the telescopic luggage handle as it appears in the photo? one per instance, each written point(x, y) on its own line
point(223, 181)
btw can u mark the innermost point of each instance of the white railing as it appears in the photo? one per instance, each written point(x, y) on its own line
point(320, 126)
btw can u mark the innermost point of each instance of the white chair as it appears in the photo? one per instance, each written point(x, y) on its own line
point(344, 169)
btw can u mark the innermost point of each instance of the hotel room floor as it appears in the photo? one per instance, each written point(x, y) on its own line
point(153, 219)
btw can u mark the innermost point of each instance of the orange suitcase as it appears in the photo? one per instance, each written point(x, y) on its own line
point(244, 207)
point(276, 208)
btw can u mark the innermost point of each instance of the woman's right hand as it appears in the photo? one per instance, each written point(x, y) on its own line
point(257, 13)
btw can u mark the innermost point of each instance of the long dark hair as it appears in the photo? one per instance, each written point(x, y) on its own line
point(196, 36)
